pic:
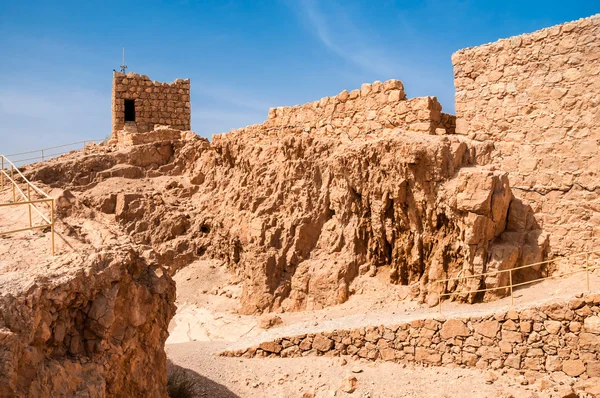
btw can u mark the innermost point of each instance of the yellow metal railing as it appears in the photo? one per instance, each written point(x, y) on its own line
point(511, 285)
point(9, 174)
point(40, 155)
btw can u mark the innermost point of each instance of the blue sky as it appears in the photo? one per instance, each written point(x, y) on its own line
point(243, 57)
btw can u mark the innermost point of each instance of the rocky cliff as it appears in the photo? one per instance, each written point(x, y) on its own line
point(300, 205)
point(90, 325)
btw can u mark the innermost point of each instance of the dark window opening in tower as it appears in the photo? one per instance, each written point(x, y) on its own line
point(129, 110)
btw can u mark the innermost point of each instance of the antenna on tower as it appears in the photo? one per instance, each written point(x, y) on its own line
point(123, 66)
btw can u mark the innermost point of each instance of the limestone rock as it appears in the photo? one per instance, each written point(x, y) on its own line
point(592, 324)
point(349, 384)
point(454, 328)
point(322, 343)
point(573, 367)
point(267, 321)
point(96, 324)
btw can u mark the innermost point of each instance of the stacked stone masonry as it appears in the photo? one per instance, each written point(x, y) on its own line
point(160, 133)
point(537, 97)
point(554, 337)
point(155, 102)
point(368, 110)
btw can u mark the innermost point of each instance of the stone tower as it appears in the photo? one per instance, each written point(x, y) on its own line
point(139, 103)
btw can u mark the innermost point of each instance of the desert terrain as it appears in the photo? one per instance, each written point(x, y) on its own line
point(366, 244)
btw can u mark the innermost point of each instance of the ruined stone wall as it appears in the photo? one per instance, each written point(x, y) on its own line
point(370, 109)
point(155, 102)
point(561, 336)
point(537, 97)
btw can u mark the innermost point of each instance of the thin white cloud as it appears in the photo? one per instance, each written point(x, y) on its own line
point(348, 42)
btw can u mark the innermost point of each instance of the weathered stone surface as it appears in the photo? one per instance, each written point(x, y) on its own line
point(154, 103)
point(267, 321)
point(270, 346)
point(592, 324)
point(349, 384)
point(428, 356)
point(573, 367)
point(97, 324)
point(454, 343)
point(592, 368)
point(454, 328)
point(538, 107)
point(311, 209)
point(488, 328)
point(589, 341)
point(552, 327)
point(322, 343)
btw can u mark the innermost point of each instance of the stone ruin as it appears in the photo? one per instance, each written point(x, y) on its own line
point(138, 104)
point(298, 206)
point(536, 97)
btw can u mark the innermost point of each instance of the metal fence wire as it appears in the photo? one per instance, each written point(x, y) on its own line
point(511, 285)
point(10, 178)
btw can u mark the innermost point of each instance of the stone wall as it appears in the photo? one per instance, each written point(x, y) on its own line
point(554, 337)
point(155, 102)
point(160, 133)
point(370, 109)
point(537, 97)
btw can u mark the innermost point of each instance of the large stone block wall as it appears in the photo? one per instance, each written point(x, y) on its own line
point(155, 102)
point(368, 110)
point(537, 97)
point(562, 336)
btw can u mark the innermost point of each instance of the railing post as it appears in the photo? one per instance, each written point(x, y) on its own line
point(29, 205)
point(440, 297)
point(12, 177)
point(587, 270)
point(2, 172)
point(42, 155)
point(512, 297)
point(52, 225)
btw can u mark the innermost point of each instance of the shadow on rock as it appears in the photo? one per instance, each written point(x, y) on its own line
point(185, 383)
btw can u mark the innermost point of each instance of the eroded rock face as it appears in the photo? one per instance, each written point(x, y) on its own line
point(310, 210)
point(93, 325)
point(296, 215)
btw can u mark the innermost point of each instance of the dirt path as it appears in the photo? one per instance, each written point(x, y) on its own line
point(220, 377)
point(207, 323)
point(208, 299)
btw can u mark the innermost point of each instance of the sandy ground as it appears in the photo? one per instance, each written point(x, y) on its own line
point(207, 323)
point(220, 377)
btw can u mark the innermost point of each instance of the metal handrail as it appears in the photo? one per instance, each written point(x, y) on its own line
point(49, 222)
point(44, 156)
point(511, 286)
point(4, 158)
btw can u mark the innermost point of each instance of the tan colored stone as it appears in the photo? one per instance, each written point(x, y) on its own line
point(513, 361)
point(387, 354)
point(512, 337)
point(573, 367)
point(322, 343)
point(349, 384)
point(487, 328)
point(592, 325)
point(589, 341)
point(553, 327)
point(268, 321)
point(428, 356)
point(270, 346)
point(453, 328)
